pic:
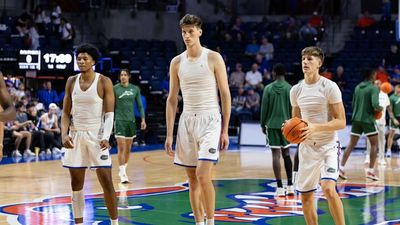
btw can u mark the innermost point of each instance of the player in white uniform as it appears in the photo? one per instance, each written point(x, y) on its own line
point(199, 73)
point(381, 127)
point(88, 96)
point(318, 102)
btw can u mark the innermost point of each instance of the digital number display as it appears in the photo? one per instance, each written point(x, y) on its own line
point(29, 59)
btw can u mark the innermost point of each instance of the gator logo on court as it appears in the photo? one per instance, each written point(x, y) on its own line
point(238, 202)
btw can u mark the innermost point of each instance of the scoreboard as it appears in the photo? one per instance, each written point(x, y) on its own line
point(46, 60)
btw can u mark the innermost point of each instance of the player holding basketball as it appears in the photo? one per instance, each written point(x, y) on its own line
point(199, 73)
point(365, 104)
point(88, 96)
point(384, 102)
point(318, 102)
point(125, 126)
point(275, 109)
point(7, 110)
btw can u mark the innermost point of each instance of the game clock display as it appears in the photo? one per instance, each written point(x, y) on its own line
point(46, 60)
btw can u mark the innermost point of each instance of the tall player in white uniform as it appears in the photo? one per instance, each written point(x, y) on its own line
point(318, 101)
point(89, 97)
point(199, 73)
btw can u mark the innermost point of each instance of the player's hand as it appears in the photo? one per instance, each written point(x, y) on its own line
point(143, 125)
point(396, 122)
point(168, 146)
point(105, 145)
point(307, 131)
point(224, 141)
point(67, 141)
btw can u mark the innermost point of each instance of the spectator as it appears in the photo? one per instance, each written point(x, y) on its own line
point(49, 124)
point(365, 20)
point(41, 19)
point(236, 78)
point(395, 76)
point(263, 65)
point(266, 49)
point(67, 34)
point(325, 73)
point(339, 78)
point(254, 78)
point(238, 105)
point(20, 130)
point(237, 28)
point(392, 58)
point(307, 32)
point(252, 48)
point(38, 139)
point(316, 20)
point(47, 95)
point(32, 41)
point(21, 92)
point(382, 75)
point(253, 101)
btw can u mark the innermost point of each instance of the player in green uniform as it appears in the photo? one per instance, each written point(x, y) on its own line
point(275, 109)
point(365, 104)
point(125, 126)
point(394, 113)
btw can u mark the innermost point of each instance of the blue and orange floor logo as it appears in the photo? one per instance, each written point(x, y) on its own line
point(239, 201)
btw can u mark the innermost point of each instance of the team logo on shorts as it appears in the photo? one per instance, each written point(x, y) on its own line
point(331, 170)
point(239, 201)
point(104, 157)
point(212, 150)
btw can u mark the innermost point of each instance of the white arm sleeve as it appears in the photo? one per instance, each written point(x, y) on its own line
point(108, 125)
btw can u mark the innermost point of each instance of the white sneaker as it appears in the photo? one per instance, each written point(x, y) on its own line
point(56, 150)
point(16, 153)
point(28, 152)
point(290, 190)
point(382, 162)
point(48, 151)
point(280, 192)
point(366, 161)
point(388, 154)
point(123, 177)
point(372, 176)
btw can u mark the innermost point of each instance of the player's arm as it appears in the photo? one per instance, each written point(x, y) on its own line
point(375, 100)
point(139, 104)
point(108, 108)
point(264, 109)
point(66, 113)
point(391, 113)
point(56, 128)
point(6, 102)
point(172, 103)
point(225, 94)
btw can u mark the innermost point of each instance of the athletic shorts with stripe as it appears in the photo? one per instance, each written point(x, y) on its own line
point(317, 163)
point(86, 152)
point(275, 139)
point(358, 128)
point(125, 129)
point(197, 138)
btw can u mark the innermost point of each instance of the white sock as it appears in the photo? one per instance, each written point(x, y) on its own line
point(114, 222)
point(371, 170)
point(210, 221)
point(388, 150)
point(78, 203)
point(199, 223)
point(122, 168)
point(79, 224)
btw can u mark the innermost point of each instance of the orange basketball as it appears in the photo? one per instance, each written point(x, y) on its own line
point(378, 115)
point(386, 87)
point(291, 130)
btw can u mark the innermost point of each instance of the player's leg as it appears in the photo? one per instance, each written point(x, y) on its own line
point(310, 213)
point(381, 145)
point(195, 195)
point(334, 202)
point(78, 198)
point(367, 152)
point(390, 137)
point(204, 177)
point(356, 131)
point(105, 179)
point(17, 143)
point(295, 166)
point(275, 145)
point(288, 168)
point(373, 139)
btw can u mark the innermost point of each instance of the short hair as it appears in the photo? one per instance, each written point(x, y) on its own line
point(314, 51)
point(367, 73)
point(190, 19)
point(126, 71)
point(279, 69)
point(53, 106)
point(89, 49)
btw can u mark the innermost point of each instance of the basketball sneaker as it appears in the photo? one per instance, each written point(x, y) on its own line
point(280, 192)
point(123, 177)
point(372, 176)
point(388, 154)
point(28, 153)
point(290, 190)
point(342, 174)
point(16, 153)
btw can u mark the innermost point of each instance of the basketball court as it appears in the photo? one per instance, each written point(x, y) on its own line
point(38, 192)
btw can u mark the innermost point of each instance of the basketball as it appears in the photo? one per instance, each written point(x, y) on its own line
point(378, 115)
point(386, 87)
point(291, 130)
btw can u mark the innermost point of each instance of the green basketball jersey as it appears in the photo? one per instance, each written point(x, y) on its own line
point(395, 103)
point(125, 98)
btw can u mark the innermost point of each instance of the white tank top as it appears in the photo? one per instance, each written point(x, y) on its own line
point(50, 121)
point(87, 106)
point(198, 84)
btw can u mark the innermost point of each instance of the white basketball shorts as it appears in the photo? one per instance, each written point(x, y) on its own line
point(198, 138)
point(86, 152)
point(317, 163)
